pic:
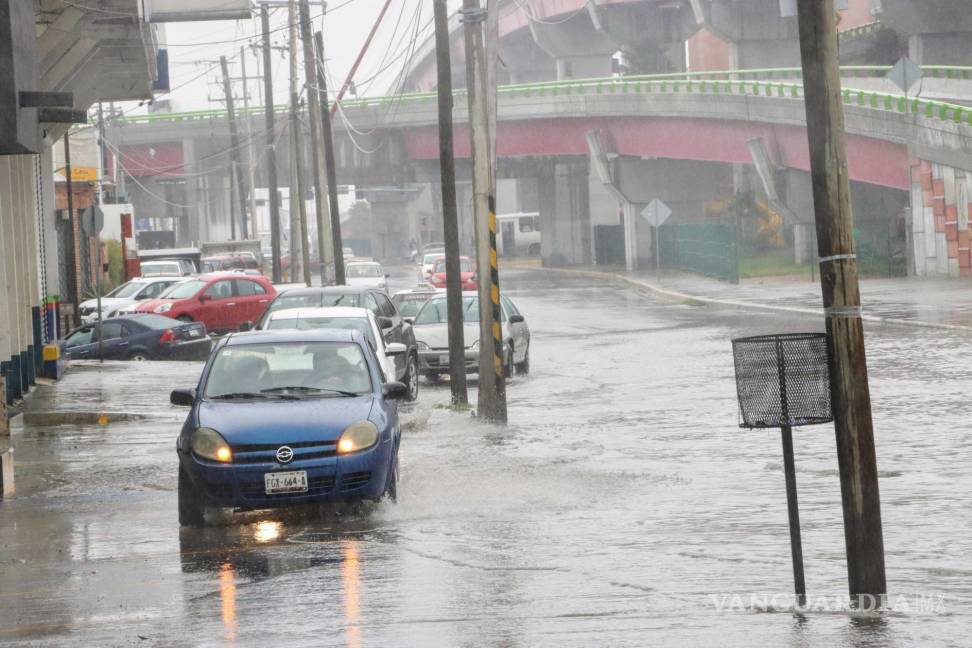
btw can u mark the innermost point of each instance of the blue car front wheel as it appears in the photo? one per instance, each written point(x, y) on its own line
point(391, 491)
point(191, 510)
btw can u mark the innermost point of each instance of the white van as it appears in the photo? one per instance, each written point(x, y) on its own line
point(519, 234)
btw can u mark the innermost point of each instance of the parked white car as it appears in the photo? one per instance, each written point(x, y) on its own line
point(163, 267)
point(365, 274)
point(124, 296)
point(428, 264)
point(355, 319)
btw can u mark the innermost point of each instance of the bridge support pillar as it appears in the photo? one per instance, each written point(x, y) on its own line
point(938, 31)
point(940, 49)
point(565, 217)
point(189, 232)
point(758, 36)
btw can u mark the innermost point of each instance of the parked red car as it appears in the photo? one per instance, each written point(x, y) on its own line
point(467, 272)
point(220, 300)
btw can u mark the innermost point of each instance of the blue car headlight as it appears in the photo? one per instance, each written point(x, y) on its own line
point(163, 308)
point(210, 444)
point(359, 436)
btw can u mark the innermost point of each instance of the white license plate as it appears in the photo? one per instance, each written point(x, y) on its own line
point(444, 360)
point(195, 333)
point(285, 482)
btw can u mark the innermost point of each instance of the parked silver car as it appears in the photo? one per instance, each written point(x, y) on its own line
point(125, 297)
point(432, 336)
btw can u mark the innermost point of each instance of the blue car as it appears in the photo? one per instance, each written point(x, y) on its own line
point(288, 417)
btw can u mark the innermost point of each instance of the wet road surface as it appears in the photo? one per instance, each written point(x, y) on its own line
point(622, 506)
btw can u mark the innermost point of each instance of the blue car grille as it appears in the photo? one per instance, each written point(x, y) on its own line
point(249, 453)
point(355, 480)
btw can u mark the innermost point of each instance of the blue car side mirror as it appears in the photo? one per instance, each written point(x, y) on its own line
point(184, 397)
point(394, 391)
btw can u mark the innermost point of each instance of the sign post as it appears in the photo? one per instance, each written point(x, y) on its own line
point(905, 74)
point(657, 213)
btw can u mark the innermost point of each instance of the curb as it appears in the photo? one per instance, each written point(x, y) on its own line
point(733, 303)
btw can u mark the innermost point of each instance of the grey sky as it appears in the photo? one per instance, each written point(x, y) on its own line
point(345, 29)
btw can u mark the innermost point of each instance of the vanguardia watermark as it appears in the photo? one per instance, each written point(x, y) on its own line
point(911, 604)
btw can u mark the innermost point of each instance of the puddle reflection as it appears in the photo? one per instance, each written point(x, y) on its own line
point(351, 580)
point(227, 597)
point(261, 554)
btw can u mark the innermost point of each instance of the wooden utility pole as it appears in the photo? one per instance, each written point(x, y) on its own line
point(313, 117)
point(250, 158)
point(271, 153)
point(450, 215)
point(842, 301)
point(330, 165)
point(234, 147)
point(492, 381)
point(99, 270)
point(72, 269)
point(298, 234)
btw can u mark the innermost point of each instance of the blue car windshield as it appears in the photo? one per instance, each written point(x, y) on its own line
point(304, 369)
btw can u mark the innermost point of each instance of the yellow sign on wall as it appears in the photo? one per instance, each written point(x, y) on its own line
point(84, 173)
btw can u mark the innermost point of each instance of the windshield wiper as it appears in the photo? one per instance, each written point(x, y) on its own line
point(235, 395)
point(308, 390)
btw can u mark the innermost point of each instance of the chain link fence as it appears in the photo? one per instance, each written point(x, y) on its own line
point(704, 248)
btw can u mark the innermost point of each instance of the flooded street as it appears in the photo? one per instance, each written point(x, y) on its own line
point(623, 505)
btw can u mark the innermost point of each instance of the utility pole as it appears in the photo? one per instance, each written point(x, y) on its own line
point(235, 147)
point(298, 234)
point(97, 232)
point(842, 302)
point(492, 381)
point(330, 165)
point(251, 160)
point(271, 153)
point(72, 273)
point(450, 215)
point(313, 116)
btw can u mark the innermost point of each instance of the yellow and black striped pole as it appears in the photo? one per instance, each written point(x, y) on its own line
point(494, 296)
point(492, 387)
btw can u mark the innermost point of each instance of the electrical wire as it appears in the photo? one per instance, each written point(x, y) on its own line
point(252, 166)
point(393, 45)
point(532, 16)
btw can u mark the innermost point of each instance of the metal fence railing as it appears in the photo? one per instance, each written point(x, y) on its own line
point(762, 82)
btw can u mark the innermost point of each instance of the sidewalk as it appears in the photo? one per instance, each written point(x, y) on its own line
point(930, 303)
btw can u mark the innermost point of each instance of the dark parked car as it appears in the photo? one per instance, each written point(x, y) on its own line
point(139, 337)
point(393, 327)
point(288, 417)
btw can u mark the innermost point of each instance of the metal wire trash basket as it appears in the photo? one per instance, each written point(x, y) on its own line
point(783, 380)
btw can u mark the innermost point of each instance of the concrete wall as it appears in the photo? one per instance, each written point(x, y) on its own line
point(940, 214)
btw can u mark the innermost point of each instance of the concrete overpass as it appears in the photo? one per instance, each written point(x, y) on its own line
point(686, 131)
point(544, 40)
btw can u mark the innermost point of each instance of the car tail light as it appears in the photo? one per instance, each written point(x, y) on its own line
point(168, 336)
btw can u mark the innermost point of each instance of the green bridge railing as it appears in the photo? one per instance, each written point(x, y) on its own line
point(766, 82)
